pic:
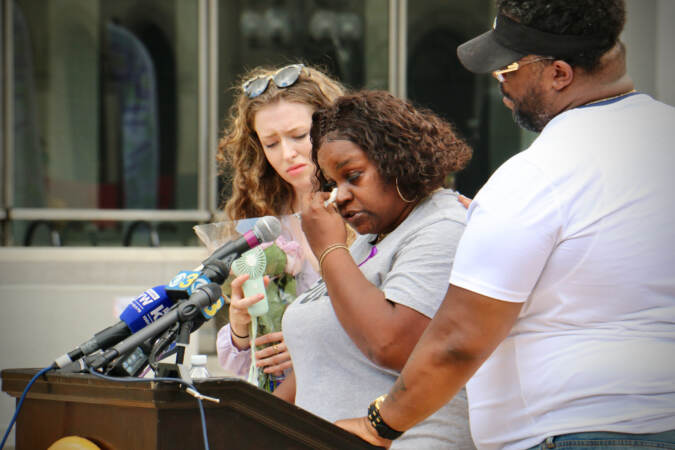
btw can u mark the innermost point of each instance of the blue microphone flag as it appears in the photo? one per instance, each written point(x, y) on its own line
point(146, 308)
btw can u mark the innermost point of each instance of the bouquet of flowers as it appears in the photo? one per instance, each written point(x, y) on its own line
point(284, 260)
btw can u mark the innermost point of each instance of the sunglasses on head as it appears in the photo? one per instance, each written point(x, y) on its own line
point(284, 77)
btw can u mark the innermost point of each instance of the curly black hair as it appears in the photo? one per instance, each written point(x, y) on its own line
point(602, 18)
point(411, 146)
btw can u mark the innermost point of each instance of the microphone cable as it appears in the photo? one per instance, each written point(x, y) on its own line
point(92, 371)
point(169, 380)
point(23, 396)
point(159, 348)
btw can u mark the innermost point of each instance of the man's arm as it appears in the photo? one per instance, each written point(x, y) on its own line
point(465, 331)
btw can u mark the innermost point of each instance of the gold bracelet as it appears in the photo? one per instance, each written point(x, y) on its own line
point(329, 249)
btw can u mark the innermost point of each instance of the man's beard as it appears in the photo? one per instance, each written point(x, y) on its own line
point(529, 113)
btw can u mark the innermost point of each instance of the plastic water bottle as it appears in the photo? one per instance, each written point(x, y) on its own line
point(198, 367)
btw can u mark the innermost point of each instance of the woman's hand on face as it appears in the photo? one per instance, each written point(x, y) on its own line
point(239, 316)
point(322, 225)
point(275, 358)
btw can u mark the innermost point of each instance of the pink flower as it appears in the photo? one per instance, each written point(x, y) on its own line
point(295, 256)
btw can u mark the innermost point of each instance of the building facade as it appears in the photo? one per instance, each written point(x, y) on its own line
point(112, 109)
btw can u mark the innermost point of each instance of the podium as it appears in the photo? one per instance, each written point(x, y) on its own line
point(159, 415)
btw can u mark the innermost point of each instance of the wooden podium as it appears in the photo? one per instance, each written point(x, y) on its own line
point(151, 415)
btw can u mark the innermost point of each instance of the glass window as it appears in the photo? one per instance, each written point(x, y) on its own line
point(105, 104)
point(348, 39)
point(107, 97)
point(102, 115)
point(2, 120)
point(437, 80)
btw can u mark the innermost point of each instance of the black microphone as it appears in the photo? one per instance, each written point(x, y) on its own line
point(142, 310)
point(216, 267)
point(202, 297)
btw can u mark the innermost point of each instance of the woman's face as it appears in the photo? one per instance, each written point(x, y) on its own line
point(364, 200)
point(283, 130)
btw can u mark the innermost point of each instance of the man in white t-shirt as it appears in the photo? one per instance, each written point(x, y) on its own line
point(560, 315)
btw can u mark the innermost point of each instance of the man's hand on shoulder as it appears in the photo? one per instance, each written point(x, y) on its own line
point(466, 201)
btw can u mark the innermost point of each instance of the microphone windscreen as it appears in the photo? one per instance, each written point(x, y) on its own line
point(146, 308)
point(267, 228)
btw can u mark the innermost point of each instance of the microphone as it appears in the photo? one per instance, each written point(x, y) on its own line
point(185, 283)
point(216, 267)
point(202, 297)
point(143, 310)
point(266, 229)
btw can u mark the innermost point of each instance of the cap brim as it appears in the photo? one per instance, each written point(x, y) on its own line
point(483, 54)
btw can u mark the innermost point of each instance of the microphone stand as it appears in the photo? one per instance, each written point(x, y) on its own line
point(132, 362)
point(183, 312)
point(179, 368)
point(216, 270)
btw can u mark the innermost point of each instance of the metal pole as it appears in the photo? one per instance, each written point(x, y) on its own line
point(202, 108)
point(7, 116)
point(212, 98)
point(398, 41)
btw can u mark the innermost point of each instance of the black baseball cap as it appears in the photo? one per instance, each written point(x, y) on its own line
point(509, 41)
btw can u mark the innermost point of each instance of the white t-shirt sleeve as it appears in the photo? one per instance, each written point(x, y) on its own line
point(513, 225)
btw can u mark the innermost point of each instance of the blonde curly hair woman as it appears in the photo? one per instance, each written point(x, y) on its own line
point(266, 145)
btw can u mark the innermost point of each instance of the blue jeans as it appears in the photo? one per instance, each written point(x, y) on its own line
point(608, 441)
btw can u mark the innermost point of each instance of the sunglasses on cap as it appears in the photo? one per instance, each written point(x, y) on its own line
point(284, 77)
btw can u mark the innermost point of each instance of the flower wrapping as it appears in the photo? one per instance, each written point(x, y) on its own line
point(285, 259)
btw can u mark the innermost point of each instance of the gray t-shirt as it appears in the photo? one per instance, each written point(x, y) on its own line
point(412, 265)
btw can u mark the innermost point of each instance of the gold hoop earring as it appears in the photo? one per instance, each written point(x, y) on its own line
point(405, 200)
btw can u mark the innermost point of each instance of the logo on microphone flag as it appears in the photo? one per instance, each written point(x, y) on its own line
point(188, 281)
